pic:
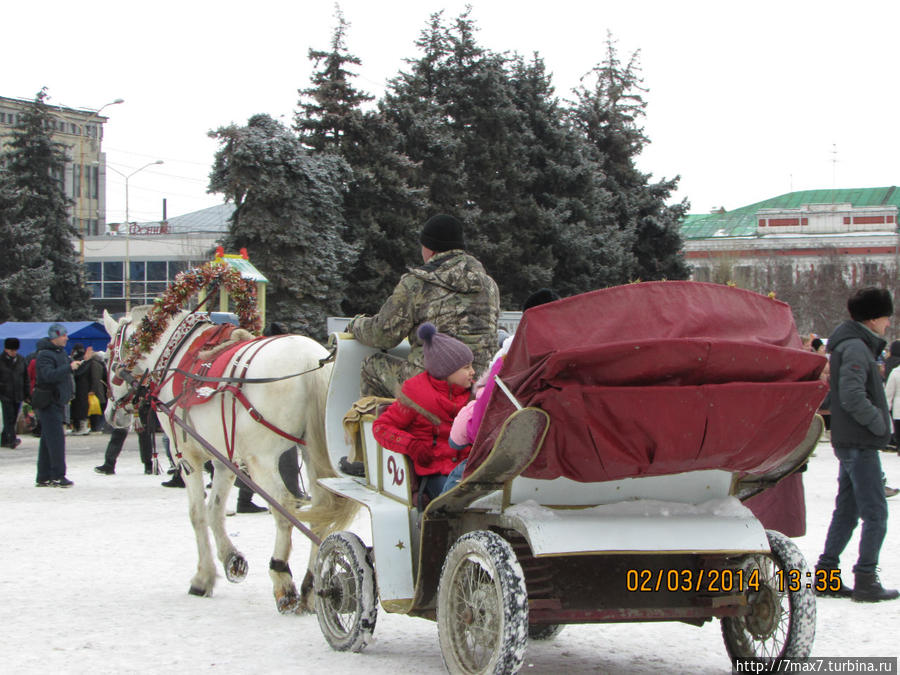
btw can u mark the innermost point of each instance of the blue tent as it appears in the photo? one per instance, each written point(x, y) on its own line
point(88, 333)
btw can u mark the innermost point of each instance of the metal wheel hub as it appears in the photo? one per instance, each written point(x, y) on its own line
point(764, 619)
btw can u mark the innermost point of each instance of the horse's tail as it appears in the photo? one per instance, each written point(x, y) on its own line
point(329, 512)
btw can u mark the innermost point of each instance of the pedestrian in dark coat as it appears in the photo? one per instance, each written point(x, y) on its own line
point(82, 376)
point(53, 390)
point(97, 369)
point(860, 428)
point(14, 389)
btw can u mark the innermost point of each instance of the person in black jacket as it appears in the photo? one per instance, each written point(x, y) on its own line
point(14, 388)
point(53, 389)
point(860, 428)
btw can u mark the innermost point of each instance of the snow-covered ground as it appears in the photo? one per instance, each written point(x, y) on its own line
point(95, 579)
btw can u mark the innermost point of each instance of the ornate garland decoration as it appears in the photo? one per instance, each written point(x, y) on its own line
point(186, 285)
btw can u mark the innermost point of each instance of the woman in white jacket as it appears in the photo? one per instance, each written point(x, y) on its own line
point(892, 391)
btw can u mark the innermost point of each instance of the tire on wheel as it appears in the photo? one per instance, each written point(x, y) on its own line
point(783, 622)
point(345, 595)
point(482, 606)
point(544, 631)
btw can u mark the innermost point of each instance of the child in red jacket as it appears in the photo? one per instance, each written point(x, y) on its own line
point(418, 422)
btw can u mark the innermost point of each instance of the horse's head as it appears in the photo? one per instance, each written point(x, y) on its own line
point(124, 382)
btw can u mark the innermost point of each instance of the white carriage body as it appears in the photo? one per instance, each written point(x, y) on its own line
point(692, 512)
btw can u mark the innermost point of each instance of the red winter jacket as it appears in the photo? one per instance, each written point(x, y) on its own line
point(418, 424)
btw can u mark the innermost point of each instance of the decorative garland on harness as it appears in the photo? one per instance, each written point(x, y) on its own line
point(154, 324)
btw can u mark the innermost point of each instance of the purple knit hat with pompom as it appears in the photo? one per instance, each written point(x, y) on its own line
point(444, 355)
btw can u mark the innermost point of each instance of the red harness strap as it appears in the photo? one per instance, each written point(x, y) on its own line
point(241, 362)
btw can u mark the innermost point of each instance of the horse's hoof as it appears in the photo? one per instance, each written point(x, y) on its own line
point(289, 603)
point(195, 590)
point(236, 568)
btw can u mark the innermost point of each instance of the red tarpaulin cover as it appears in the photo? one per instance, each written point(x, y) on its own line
point(658, 378)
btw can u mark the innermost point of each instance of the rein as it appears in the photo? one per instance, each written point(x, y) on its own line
point(256, 380)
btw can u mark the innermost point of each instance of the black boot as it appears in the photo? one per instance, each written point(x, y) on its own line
point(175, 481)
point(869, 589)
point(250, 507)
point(823, 577)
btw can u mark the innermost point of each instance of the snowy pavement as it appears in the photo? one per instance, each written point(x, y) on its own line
point(95, 578)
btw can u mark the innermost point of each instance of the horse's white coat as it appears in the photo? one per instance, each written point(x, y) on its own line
point(295, 405)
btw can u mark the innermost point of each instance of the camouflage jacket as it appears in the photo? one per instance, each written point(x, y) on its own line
point(452, 291)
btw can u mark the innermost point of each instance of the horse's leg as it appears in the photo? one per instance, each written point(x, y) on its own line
point(205, 578)
point(307, 599)
point(264, 470)
point(233, 561)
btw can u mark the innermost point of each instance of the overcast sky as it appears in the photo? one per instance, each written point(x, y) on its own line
point(747, 100)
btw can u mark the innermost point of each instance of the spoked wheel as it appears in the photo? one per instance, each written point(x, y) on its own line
point(482, 607)
point(783, 621)
point(345, 596)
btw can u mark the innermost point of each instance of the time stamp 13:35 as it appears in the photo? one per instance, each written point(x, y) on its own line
point(730, 580)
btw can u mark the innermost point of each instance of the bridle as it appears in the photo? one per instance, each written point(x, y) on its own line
point(117, 374)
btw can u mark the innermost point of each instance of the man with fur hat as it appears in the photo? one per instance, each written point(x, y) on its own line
point(450, 289)
point(13, 390)
point(418, 422)
point(860, 428)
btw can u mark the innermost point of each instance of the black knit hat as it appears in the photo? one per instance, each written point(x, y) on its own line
point(870, 303)
point(442, 233)
point(444, 355)
point(540, 297)
point(11, 343)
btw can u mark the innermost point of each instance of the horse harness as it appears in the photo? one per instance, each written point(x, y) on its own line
point(239, 357)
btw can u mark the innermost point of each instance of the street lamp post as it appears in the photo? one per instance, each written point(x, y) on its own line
point(81, 196)
point(127, 274)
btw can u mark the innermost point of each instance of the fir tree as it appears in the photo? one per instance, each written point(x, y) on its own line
point(38, 206)
point(494, 147)
point(24, 274)
point(380, 208)
point(607, 113)
point(289, 216)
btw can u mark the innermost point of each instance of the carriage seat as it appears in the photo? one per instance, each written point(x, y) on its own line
point(384, 470)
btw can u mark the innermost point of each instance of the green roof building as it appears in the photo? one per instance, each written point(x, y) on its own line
point(798, 229)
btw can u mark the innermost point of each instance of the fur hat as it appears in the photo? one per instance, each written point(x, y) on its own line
point(540, 297)
point(442, 233)
point(11, 343)
point(870, 303)
point(56, 330)
point(444, 355)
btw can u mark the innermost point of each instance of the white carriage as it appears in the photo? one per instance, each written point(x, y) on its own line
point(504, 557)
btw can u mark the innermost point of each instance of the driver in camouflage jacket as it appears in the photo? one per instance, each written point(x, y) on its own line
point(450, 289)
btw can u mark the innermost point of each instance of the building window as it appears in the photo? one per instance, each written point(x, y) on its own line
point(112, 280)
point(701, 274)
point(93, 275)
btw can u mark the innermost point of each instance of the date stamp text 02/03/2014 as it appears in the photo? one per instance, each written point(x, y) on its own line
point(728, 580)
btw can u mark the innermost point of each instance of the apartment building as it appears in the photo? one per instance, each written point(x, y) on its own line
point(84, 178)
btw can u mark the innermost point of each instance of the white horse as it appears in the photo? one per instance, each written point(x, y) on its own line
point(294, 405)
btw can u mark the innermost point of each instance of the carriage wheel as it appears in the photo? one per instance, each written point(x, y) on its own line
point(345, 596)
point(544, 631)
point(482, 606)
point(783, 622)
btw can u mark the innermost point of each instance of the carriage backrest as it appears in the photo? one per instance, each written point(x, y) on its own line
point(343, 390)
